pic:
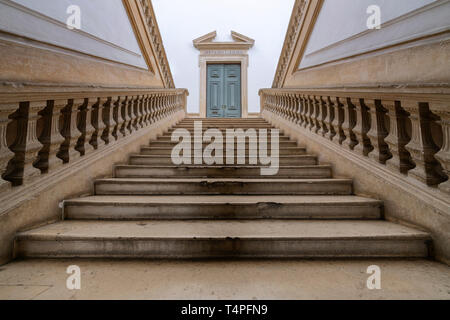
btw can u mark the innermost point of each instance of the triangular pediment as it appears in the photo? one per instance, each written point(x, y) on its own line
point(207, 42)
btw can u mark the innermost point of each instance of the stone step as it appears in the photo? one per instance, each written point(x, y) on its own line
point(217, 171)
point(223, 129)
point(225, 122)
point(255, 144)
point(236, 186)
point(221, 238)
point(169, 138)
point(221, 207)
point(298, 160)
point(168, 150)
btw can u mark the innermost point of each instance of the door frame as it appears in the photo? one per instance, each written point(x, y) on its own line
point(205, 61)
point(240, 84)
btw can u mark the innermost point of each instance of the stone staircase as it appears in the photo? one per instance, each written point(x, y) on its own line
point(154, 209)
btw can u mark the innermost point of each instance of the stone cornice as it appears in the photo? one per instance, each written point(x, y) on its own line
point(157, 43)
point(290, 41)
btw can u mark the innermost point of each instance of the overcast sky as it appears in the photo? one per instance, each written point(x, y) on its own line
point(181, 21)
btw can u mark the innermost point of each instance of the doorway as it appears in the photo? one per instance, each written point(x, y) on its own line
point(223, 96)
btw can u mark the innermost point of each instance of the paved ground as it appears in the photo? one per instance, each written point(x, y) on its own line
point(249, 279)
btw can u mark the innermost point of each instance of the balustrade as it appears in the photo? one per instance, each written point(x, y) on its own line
point(394, 132)
point(40, 135)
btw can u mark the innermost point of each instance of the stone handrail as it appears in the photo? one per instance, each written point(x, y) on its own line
point(406, 132)
point(42, 131)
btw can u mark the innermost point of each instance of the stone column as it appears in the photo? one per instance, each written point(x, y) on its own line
point(5, 153)
point(397, 138)
point(26, 146)
point(51, 137)
point(442, 109)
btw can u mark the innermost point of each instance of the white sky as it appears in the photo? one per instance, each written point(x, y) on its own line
point(181, 21)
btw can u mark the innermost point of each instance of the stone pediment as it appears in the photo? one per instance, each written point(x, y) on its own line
point(207, 42)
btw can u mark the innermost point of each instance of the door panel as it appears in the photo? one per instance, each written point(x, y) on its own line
point(215, 94)
point(224, 91)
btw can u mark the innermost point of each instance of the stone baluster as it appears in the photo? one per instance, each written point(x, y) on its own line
point(145, 110)
point(421, 147)
point(70, 131)
point(297, 109)
point(283, 107)
point(276, 104)
point(317, 113)
point(442, 110)
point(139, 112)
point(349, 123)
point(108, 118)
point(85, 127)
point(338, 120)
point(133, 113)
point(151, 108)
point(362, 127)
point(5, 153)
point(126, 116)
point(26, 147)
point(118, 117)
point(312, 113)
point(98, 124)
point(323, 116)
point(157, 106)
point(304, 111)
point(166, 106)
point(329, 119)
point(291, 108)
point(130, 110)
point(377, 133)
point(51, 137)
point(397, 138)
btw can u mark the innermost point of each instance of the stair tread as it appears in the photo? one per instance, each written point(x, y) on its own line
point(237, 180)
point(225, 167)
point(233, 199)
point(273, 229)
point(169, 156)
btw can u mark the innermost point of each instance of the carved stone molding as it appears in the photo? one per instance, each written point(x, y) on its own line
point(157, 43)
point(290, 42)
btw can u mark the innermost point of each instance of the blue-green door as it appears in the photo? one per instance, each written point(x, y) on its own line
point(223, 91)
